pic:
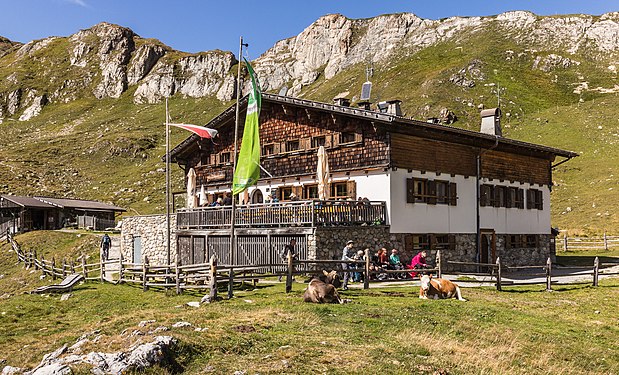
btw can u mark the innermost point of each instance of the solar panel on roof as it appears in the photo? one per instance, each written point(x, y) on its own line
point(366, 89)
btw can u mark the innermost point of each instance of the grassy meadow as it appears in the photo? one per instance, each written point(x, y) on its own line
point(571, 330)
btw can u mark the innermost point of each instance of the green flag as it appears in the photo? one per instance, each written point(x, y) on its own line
point(247, 170)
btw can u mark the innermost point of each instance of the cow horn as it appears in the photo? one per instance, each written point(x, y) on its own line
point(325, 273)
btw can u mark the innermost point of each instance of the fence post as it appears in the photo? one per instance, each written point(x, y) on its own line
point(43, 265)
point(84, 271)
point(231, 282)
point(53, 268)
point(596, 271)
point(34, 260)
point(120, 268)
point(102, 266)
point(498, 274)
point(366, 277)
point(549, 275)
point(178, 277)
point(565, 242)
point(213, 280)
point(72, 266)
point(289, 273)
point(605, 242)
point(8, 236)
point(144, 270)
point(439, 263)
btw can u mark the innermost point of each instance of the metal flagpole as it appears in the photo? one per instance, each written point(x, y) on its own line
point(167, 179)
point(236, 137)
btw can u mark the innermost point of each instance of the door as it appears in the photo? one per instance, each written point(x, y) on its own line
point(488, 246)
point(137, 250)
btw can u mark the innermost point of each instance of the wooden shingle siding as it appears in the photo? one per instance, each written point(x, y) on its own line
point(513, 167)
point(409, 152)
point(279, 128)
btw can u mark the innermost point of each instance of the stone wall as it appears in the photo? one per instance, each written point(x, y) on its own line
point(152, 231)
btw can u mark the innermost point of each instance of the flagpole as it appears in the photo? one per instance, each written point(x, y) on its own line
point(167, 179)
point(236, 137)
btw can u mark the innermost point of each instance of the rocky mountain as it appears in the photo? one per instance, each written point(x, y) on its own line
point(105, 85)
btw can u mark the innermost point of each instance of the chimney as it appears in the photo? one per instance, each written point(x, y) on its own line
point(491, 122)
point(343, 102)
point(393, 107)
point(364, 105)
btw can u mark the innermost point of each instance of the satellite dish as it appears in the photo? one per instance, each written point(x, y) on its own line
point(283, 91)
point(366, 89)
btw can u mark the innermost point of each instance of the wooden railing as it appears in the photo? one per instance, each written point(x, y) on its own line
point(301, 213)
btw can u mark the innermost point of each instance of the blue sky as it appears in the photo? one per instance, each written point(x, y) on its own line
point(201, 25)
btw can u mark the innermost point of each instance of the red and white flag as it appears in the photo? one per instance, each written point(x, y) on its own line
point(202, 131)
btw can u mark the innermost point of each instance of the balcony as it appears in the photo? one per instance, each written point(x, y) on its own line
point(297, 213)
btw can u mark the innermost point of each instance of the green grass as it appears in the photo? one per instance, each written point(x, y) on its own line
point(571, 330)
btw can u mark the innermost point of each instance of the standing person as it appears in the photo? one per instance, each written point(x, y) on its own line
point(106, 243)
point(291, 247)
point(347, 254)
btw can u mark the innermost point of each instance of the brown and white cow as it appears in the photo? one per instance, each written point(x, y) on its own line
point(438, 288)
point(322, 288)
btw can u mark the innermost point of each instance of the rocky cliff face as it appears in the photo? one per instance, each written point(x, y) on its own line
point(106, 60)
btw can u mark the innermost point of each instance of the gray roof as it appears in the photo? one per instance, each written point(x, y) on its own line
point(396, 124)
point(80, 204)
point(27, 201)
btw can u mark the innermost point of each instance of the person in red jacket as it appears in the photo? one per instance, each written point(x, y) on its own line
point(419, 262)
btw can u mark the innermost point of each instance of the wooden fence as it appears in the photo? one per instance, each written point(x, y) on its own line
point(604, 242)
point(208, 276)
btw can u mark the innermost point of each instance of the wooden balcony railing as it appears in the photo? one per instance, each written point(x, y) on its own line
point(298, 213)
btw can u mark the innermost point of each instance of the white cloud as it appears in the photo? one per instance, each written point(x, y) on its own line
point(81, 3)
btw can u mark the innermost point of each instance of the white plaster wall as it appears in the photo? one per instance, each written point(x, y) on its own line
point(426, 218)
point(517, 221)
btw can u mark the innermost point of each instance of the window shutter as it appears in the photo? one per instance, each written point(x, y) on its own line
point(351, 189)
point(336, 139)
point(529, 199)
point(539, 199)
point(408, 243)
point(484, 199)
point(410, 190)
point(358, 137)
point(452, 241)
point(453, 194)
point(328, 140)
point(520, 193)
point(496, 196)
point(509, 197)
point(431, 192)
point(305, 143)
point(432, 241)
point(276, 148)
point(298, 191)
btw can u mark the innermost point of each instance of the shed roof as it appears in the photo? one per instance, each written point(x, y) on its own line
point(79, 204)
point(27, 202)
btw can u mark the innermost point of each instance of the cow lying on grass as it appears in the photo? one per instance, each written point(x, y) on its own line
point(322, 288)
point(438, 288)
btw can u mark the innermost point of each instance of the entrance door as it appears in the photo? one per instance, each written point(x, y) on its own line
point(488, 246)
point(137, 250)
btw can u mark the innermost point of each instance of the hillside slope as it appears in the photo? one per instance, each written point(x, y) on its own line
point(82, 116)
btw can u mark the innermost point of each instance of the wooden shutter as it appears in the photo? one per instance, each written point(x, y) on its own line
point(510, 194)
point(520, 193)
point(358, 137)
point(408, 243)
point(539, 199)
point(495, 192)
point(328, 140)
point(336, 139)
point(431, 192)
point(529, 199)
point(305, 144)
point(351, 189)
point(410, 190)
point(484, 199)
point(452, 241)
point(453, 194)
point(298, 191)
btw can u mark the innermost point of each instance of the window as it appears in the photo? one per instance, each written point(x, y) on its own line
point(318, 141)
point(347, 137)
point(268, 150)
point(293, 145)
point(442, 192)
point(535, 199)
point(420, 190)
point(284, 193)
point(339, 190)
point(224, 157)
point(310, 192)
point(421, 242)
point(531, 240)
point(485, 195)
point(501, 196)
point(513, 241)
